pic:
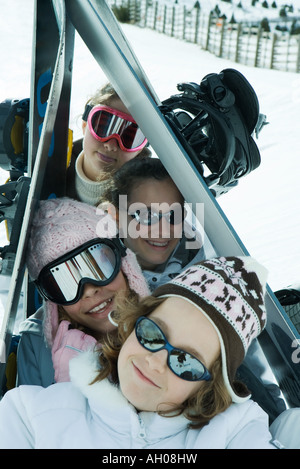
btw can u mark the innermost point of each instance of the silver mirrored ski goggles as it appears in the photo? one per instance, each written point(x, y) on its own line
point(97, 262)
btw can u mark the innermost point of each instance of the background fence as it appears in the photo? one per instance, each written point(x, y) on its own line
point(239, 42)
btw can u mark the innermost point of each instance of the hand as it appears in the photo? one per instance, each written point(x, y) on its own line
point(67, 344)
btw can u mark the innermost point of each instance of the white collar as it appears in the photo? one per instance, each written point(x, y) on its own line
point(106, 400)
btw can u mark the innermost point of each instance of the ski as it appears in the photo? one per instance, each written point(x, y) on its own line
point(54, 34)
point(53, 45)
point(103, 36)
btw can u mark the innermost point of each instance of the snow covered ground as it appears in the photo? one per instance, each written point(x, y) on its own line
point(243, 9)
point(265, 207)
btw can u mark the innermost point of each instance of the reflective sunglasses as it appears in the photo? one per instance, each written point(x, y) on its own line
point(97, 262)
point(181, 363)
point(149, 217)
point(105, 123)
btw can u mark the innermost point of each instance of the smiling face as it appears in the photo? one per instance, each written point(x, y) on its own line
point(155, 244)
point(145, 378)
point(96, 303)
point(104, 157)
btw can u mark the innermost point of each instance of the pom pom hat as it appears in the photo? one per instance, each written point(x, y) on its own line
point(230, 293)
point(63, 224)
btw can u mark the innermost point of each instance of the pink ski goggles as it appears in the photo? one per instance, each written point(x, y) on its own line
point(105, 123)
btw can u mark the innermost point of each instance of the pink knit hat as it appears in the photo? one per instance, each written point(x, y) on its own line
point(61, 225)
point(230, 293)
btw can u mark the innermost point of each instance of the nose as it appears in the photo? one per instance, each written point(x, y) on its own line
point(111, 144)
point(157, 361)
point(165, 228)
point(162, 229)
point(90, 290)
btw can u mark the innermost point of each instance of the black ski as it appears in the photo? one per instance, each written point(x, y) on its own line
point(48, 131)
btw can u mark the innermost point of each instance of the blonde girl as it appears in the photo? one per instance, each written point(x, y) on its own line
point(111, 137)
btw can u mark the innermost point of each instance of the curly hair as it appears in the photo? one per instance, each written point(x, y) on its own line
point(211, 399)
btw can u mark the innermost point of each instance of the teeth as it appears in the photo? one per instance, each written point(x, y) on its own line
point(153, 243)
point(100, 307)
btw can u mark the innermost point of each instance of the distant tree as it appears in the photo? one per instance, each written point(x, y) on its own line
point(274, 5)
point(281, 28)
point(265, 25)
point(283, 13)
point(265, 4)
point(228, 1)
point(295, 27)
point(232, 19)
point(197, 5)
point(122, 13)
point(217, 10)
point(239, 5)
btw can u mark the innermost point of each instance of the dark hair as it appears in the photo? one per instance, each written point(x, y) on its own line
point(131, 174)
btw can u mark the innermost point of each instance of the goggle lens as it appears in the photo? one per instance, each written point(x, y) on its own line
point(181, 363)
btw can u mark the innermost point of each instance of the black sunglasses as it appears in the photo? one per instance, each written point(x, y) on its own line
point(147, 216)
point(181, 363)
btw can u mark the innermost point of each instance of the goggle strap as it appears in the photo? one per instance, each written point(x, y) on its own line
point(87, 110)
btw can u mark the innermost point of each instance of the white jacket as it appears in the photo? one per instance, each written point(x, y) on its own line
point(79, 415)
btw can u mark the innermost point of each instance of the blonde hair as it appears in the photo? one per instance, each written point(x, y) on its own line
point(211, 399)
point(104, 95)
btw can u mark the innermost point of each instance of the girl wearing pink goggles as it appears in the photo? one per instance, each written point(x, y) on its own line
point(111, 138)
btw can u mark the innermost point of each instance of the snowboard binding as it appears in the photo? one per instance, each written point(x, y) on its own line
point(13, 198)
point(214, 122)
point(14, 117)
point(289, 298)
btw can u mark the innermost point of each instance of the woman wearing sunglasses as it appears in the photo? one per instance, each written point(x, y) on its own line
point(152, 220)
point(79, 267)
point(167, 381)
point(111, 137)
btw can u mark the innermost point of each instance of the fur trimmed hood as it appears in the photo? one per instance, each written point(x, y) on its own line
point(83, 370)
point(78, 414)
